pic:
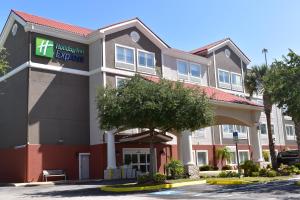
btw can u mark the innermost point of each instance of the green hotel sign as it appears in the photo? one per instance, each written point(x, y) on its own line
point(44, 47)
point(49, 49)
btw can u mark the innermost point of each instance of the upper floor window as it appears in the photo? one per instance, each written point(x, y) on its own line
point(228, 130)
point(182, 67)
point(146, 59)
point(236, 79)
point(195, 70)
point(224, 77)
point(290, 131)
point(264, 129)
point(124, 54)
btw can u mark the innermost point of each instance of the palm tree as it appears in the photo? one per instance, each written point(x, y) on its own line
point(254, 83)
point(223, 154)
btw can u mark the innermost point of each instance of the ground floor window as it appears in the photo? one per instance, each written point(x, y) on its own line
point(138, 159)
point(201, 157)
point(243, 156)
point(232, 158)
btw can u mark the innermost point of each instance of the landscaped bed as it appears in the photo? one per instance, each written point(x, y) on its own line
point(244, 180)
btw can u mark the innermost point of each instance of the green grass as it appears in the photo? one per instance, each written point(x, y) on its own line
point(245, 180)
point(183, 180)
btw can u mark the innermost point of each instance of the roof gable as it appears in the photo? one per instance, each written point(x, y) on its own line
point(52, 23)
point(218, 44)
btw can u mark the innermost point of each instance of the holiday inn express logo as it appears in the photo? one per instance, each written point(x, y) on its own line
point(44, 47)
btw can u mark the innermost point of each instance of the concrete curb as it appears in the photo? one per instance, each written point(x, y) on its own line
point(149, 188)
point(31, 184)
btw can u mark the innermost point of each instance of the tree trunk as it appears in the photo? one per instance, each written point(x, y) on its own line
point(268, 110)
point(152, 170)
point(297, 132)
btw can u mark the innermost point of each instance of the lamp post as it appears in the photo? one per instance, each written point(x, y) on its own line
point(236, 139)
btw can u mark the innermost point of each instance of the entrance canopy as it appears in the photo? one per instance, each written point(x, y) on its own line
point(145, 138)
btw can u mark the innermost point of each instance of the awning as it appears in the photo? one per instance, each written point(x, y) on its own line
point(145, 138)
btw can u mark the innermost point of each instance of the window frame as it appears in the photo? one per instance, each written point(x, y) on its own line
point(229, 135)
point(201, 151)
point(124, 62)
point(289, 137)
point(146, 52)
point(229, 76)
point(242, 151)
point(188, 71)
point(234, 73)
point(200, 68)
point(120, 77)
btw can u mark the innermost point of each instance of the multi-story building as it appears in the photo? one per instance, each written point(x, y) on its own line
point(48, 114)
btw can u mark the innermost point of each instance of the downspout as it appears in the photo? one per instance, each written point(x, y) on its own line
point(28, 89)
point(215, 68)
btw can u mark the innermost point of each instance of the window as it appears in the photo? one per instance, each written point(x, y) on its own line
point(182, 67)
point(242, 131)
point(124, 55)
point(290, 131)
point(263, 129)
point(120, 81)
point(224, 77)
point(232, 159)
point(146, 59)
point(202, 158)
point(228, 130)
point(243, 156)
point(236, 79)
point(195, 70)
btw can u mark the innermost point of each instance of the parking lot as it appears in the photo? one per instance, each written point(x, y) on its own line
point(273, 190)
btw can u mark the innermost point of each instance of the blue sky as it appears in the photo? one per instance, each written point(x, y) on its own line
point(185, 24)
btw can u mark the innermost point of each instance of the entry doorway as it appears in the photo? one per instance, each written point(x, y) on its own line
point(84, 166)
point(137, 158)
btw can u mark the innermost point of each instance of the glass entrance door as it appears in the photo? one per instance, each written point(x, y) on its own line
point(138, 159)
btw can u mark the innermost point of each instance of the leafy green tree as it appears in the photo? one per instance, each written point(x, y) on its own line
point(3, 61)
point(223, 154)
point(158, 108)
point(255, 83)
point(284, 84)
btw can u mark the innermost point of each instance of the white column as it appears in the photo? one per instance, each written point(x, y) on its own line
point(187, 148)
point(111, 150)
point(255, 140)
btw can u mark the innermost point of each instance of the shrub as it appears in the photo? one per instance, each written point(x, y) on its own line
point(226, 167)
point(143, 179)
point(263, 172)
point(175, 168)
point(254, 174)
point(228, 174)
point(286, 170)
point(159, 178)
point(271, 173)
point(297, 165)
point(206, 168)
point(266, 155)
point(249, 166)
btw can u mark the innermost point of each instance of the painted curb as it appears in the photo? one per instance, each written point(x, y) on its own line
point(228, 182)
point(150, 188)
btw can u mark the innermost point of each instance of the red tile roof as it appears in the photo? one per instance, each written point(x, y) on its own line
point(206, 47)
point(52, 23)
point(213, 93)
